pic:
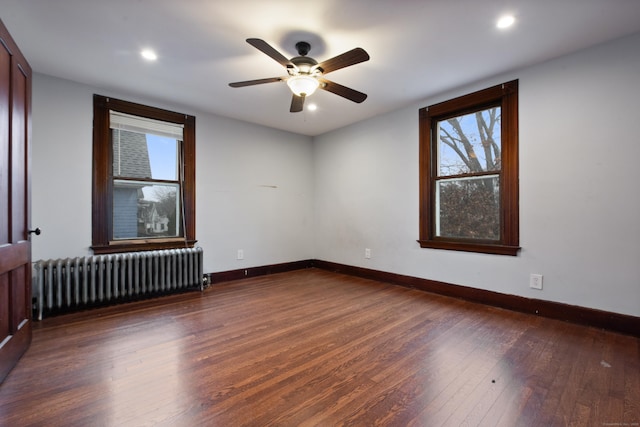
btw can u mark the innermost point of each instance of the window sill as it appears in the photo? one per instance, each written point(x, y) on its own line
point(471, 247)
point(142, 245)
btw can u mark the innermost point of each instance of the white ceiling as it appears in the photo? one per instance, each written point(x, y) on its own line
point(418, 48)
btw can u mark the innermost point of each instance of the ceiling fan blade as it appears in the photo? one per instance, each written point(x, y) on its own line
point(268, 50)
point(297, 102)
point(343, 91)
point(257, 82)
point(354, 56)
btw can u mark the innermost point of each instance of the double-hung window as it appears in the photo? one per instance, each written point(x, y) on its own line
point(469, 172)
point(144, 177)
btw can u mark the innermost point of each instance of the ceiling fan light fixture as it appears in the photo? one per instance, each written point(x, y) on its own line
point(303, 85)
point(306, 75)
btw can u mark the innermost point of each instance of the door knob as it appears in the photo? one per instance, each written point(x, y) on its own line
point(37, 231)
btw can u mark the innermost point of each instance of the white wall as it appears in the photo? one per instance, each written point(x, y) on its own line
point(254, 185)
point(579, 188)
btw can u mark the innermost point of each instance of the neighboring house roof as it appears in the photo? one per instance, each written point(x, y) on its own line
point(130, 154)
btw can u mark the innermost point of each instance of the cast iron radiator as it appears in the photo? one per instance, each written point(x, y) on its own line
point(69, 284)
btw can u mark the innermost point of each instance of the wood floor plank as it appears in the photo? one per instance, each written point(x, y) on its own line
point(631, 394)
point(316, 348)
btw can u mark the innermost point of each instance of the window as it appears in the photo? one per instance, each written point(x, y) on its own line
point(143, 177)
point(469, 172)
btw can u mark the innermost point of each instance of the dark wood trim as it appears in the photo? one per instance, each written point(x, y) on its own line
point(506, 96)
point(571, 313)
point(137, 246)
point(189, 184)
point(467, 103)
point(101, 184)
point(102, 179)
point(470, 247)
point(242, 273)
point(510, 173)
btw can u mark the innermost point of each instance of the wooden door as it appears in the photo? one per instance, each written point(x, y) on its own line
point(15, 203)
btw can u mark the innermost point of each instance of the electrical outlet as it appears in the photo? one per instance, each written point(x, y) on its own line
point(240, 254)
point(367, 253)
point(535, 281)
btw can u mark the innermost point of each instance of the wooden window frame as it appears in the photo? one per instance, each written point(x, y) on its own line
point(506, 96)
point(102, 179)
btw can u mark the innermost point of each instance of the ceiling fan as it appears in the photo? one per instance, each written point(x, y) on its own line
point(305, 74)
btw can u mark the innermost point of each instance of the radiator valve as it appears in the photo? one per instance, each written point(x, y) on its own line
point(205, 282)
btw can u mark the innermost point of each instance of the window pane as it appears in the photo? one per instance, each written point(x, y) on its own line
point(130, 154)
point(139, 155)
point(143, 210)
point(469, 143)
point(163, 155)
point(468, 208)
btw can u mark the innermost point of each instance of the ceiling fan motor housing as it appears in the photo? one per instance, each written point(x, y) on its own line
point(304, 65)
point(303, 48)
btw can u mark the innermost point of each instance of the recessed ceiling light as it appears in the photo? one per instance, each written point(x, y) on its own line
point(312, 107)
point(505, 21)
point(149, 55)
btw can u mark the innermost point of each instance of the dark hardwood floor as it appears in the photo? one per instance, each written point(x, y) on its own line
point(315, 348)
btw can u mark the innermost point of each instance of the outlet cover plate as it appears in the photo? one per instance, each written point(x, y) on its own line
point(535, 281)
